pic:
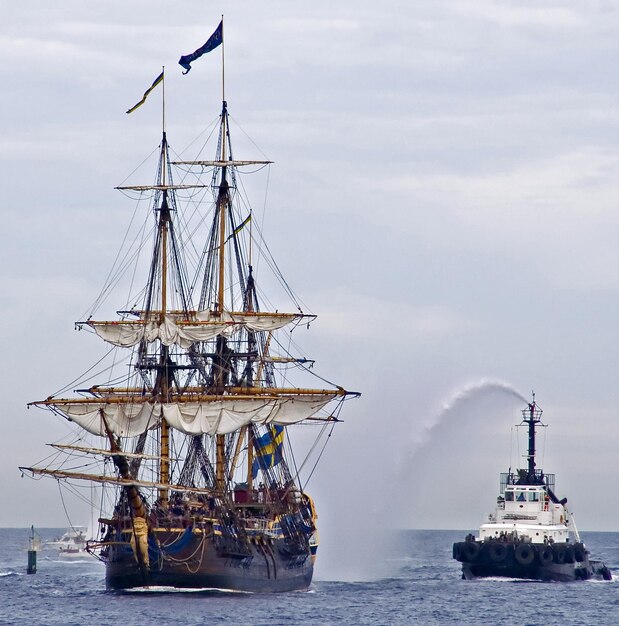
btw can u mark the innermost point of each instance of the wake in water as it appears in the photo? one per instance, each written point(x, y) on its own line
point(162, 589)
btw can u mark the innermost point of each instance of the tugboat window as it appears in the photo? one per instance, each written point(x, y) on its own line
point(509, 496)
point(521, 497)
point(533, 496)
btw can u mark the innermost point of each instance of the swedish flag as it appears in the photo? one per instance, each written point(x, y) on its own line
point(157, 80)
point(268, 449)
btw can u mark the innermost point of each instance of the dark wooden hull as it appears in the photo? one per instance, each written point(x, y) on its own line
point(194, 560)
point(558, 562)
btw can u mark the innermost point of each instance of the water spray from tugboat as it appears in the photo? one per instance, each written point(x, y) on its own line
point(466, 434)
point(485, 384)
point(468, 392)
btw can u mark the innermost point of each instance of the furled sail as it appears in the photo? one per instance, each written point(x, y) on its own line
point(129, 333)
point(254, 321)
point(184, 333)
point(216, 417)
point(124, 420)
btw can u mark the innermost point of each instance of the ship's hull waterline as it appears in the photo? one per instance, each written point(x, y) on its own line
point(191, 560)
point(549, 562)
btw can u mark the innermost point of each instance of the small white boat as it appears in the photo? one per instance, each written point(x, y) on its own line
point(72, 543)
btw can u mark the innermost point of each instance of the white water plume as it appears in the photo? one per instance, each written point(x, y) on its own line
point(473, 388)
point(457, 457)
point(468, 392)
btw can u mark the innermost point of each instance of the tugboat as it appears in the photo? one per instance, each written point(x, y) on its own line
point(531, 534)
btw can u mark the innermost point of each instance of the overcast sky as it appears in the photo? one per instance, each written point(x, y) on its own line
point(445, 197)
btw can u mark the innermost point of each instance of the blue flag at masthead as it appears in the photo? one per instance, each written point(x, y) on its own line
point(213, 41)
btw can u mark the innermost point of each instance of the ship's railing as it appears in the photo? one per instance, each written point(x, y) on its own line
point(260, 525)
point(521, 477)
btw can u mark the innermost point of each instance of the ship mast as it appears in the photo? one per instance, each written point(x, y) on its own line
point(532, 416)
point(222, 201)
point(162, 383)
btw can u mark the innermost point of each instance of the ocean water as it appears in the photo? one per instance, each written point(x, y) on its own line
point(424, 587)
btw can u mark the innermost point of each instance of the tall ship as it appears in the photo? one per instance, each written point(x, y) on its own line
point(188, 424)
point(531, 534)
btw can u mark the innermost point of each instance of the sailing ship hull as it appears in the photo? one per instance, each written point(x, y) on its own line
point(189, 559)
point(556, 562)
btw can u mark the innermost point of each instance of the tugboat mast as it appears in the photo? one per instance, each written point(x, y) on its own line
point(532, 416)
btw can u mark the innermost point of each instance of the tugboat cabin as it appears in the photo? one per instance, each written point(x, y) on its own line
point(528, 504)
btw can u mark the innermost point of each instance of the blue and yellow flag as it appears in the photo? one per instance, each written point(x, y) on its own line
point(239, 228)
point(143, 100)
point(269, 448)
point(212, 42)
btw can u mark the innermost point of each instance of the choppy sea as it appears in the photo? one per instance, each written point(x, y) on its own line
point(424, 588)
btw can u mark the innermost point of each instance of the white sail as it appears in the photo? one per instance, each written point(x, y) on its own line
point(126, 334)
point(217, 417)
point(124, 420)
point(254, 321)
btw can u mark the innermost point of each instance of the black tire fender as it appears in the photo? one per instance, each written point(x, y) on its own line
point(469, 551)
point(524, 554)
point(456, 551)
point(497, 552)
point(545, 554)
point(579, 552)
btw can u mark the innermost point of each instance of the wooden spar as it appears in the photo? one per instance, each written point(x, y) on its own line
point(130, 455)
point(134, 395)
point(231, 321)
point(158, 187)
point(193, 313)
point(120, 462)
point(114, 480)
point(219, 163)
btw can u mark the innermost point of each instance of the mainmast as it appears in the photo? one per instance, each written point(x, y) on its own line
point(162, 384)
point(221, 347)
